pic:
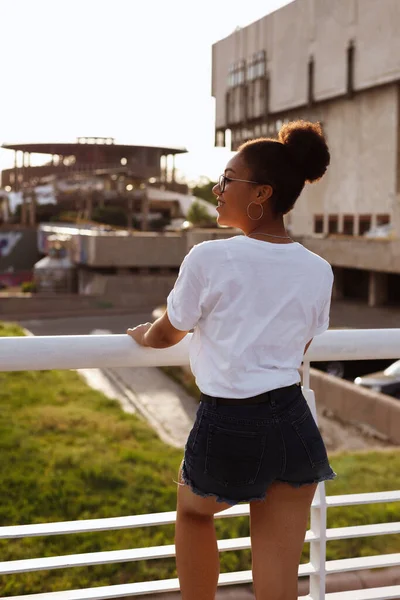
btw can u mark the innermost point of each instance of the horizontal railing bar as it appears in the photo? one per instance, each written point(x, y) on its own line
point(168, 518)
point(357, 531)
point(107, 524)
point(146, 587)
point(168, 551)
point(102, 558)
point(87, 351)
point(390, 592)
point(116, 556)
point(366, 498)
point(362, 562)
point(87, 525)
point(38, 353)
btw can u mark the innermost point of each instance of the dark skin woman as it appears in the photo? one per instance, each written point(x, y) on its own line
point(260, 184)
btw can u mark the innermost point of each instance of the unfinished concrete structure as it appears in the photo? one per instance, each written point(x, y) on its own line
point(338, 63)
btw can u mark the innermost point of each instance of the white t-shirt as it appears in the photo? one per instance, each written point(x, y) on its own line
point(253, 305)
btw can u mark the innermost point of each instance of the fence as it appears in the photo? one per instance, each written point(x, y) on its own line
point(73, 352)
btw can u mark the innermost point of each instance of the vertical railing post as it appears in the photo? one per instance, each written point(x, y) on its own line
point(318, 512)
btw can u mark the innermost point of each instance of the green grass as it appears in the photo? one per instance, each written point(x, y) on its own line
point(68, 453)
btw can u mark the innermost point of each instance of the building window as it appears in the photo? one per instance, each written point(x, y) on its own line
point(230, 76)
point(333, 224)
point(261, 64)
point(364, 224)
point(220, 139)
point(382, 219)
point(350, 68)
point(230, 107)
point(311, 81)
point(236, 74)
point(227, 107)
point(241, 72)
point(256, 67)
point(250, 113)
point(348, 224)
point(250, 73)
point(262, 91)
point(243, 102)
point(318, 224)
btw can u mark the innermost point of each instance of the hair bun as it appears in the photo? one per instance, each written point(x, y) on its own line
point(307, 146)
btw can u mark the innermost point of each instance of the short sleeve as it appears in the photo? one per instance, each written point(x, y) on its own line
point(323, 317)
point(184, 301)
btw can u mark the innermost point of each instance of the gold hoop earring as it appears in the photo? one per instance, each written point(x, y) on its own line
point(258, 218)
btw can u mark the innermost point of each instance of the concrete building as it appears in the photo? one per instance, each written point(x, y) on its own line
point(337, 62)
point(91, 173)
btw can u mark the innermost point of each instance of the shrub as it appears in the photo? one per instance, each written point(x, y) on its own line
point(28, 287)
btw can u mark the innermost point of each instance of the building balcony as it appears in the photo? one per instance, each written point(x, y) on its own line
point(73, 352)
point(379, 254)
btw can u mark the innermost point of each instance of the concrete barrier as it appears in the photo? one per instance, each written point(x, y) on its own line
point(350, 402)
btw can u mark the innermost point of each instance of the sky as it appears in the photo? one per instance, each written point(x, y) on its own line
point(135, 70)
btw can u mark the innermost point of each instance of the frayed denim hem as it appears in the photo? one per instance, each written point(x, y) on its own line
point(221, 499)
point(328, 477)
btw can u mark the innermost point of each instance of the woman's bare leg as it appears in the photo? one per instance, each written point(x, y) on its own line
point(197, 558)
point(277, 528)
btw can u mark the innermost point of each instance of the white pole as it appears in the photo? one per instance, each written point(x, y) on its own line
point(318, 512)
point(91, 352)
point(318, 548)
point(85, 352)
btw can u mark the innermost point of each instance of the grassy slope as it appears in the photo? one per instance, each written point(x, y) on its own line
point(69, 453)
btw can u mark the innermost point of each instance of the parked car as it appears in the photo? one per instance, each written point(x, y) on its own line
point(386, 381)
point(350, 369)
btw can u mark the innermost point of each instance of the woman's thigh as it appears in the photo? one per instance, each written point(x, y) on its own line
point(192, 504)
point(278, 526)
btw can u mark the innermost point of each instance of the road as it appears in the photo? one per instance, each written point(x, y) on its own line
point(85, 325)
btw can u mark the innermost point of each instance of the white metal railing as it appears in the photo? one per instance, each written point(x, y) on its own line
point(73, 352)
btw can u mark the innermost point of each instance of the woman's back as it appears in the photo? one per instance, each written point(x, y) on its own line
point(258, 304)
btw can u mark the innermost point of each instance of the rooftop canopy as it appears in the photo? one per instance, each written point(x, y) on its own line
point(107, 145)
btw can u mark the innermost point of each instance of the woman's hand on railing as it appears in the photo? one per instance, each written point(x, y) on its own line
point(138, 333)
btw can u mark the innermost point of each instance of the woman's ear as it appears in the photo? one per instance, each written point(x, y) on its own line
point(265, 193)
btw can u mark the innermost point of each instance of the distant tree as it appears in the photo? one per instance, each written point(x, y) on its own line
point(204, 190)
point(198, 215)
point(110, 215)
point(44, 213)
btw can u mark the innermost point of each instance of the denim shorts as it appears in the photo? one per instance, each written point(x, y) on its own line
point(234, 452)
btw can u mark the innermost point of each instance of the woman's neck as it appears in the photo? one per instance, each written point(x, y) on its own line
point(272, 232)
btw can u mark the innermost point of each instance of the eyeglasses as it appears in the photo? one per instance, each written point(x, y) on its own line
point(223, 179)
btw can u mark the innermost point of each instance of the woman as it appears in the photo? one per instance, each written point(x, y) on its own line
point(255, 302)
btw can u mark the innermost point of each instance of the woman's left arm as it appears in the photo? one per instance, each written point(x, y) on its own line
point(184, 307)
point(160, 334)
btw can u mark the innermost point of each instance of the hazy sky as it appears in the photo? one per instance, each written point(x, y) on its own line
point(135, 70)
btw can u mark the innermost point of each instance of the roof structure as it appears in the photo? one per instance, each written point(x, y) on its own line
point(68, 149)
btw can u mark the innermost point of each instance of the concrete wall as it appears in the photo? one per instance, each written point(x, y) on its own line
point(196, 236)
point(141, 249)
point(375, 255)
point(350, 402)
point(362, 178)
point(46, 306)
point(133, 290)
point(318, 28)
point(138, 250)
